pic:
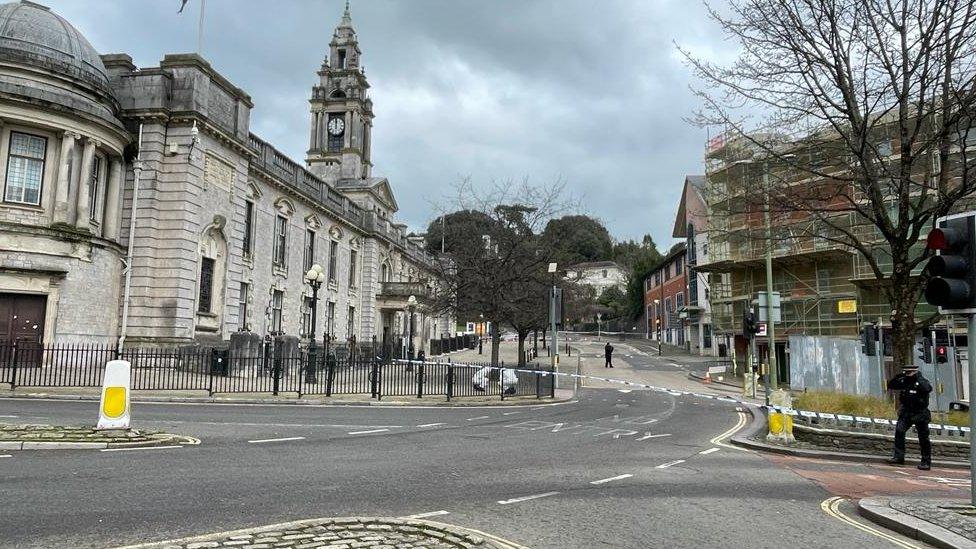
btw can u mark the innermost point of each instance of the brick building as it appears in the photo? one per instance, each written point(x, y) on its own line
point(665, 293)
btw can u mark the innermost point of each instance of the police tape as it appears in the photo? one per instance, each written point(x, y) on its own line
point(855, 421)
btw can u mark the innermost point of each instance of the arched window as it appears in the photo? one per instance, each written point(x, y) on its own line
point(337, 94)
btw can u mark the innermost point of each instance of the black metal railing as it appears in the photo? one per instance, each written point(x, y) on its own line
point(377, 370)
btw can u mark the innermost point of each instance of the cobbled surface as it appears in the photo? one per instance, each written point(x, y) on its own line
point(944, 513)
point(341, 533)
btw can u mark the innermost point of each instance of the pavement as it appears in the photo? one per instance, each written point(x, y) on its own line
point(618, 467)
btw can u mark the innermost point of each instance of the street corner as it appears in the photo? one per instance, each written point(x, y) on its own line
point(343, 533)
point(939, 522)
point(60, 437)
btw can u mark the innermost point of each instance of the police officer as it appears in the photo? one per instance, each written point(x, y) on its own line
point(913, 409)
point(608, 354)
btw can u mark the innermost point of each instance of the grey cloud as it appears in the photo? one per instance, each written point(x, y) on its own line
point(588, 91)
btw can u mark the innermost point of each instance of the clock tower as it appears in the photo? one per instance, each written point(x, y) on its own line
point(342, 114)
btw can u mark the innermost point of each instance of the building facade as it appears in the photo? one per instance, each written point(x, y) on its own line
point(599, 275)
point(223, 226)
point(665, 293)
point(691, 224)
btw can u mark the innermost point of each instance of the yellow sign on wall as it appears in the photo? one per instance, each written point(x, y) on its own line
point(847, 306)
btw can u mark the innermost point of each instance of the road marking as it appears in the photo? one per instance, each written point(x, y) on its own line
point(477, 418)
point(430, 514)
point(831, 506)
point(142, 448)
point(510, 413)
point(431, 425)
point(718, 441)
point(367, 432)
point(275, 439)
point(526, 498)
point(647, 436)
point(709, 451)
point(5, 455)
point(618, 477)
point(669, 464)
point(625, 391)
point(14, 416)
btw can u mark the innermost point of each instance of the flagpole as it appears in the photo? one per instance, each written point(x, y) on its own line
point(203, 5)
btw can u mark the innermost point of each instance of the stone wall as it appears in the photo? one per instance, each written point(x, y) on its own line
point(877, 443)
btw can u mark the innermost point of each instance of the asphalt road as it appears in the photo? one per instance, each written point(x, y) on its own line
point(616, 469)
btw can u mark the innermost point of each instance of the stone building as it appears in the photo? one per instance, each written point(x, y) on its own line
point(225, 225)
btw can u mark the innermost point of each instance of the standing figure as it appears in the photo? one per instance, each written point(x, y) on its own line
point(913, 410)
point(608, 354)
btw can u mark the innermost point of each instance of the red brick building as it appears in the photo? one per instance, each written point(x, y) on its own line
point(665, 292)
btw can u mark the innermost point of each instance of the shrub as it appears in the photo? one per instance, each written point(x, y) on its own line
point(864, 405)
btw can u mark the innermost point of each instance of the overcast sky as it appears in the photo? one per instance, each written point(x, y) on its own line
point(590, 91)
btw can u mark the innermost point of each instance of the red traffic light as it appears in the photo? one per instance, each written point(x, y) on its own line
point(944, 239)
point(941, 350)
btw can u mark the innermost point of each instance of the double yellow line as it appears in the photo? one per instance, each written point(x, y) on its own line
point(831, 506)
point(743, 418)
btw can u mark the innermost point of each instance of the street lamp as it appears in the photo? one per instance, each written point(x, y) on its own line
point(660, 326)
point(411, 306)
point(314, 277)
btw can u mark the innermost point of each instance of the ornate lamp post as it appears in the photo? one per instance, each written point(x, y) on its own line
point(411, 306)
point(315, 277)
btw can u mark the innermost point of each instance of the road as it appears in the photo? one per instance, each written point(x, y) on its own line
point(616, 468)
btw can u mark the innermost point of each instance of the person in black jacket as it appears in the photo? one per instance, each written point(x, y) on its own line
point(608, 354)
point(913, 410)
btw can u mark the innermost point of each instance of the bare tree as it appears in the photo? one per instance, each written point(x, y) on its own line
point(502, 273)
point(860, 111)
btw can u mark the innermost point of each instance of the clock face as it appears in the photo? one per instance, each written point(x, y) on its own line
point(336, 125)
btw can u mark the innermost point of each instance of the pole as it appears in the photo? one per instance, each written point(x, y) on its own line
point(881, 372)
point(770, 325)
point(136, 174)
point(203, 5)
point(660, 319)
point(972, 409)
point(552, 326)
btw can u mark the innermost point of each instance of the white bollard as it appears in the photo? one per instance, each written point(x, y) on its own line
point(113, 410)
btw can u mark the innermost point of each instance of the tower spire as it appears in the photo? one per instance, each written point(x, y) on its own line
point(346, 18)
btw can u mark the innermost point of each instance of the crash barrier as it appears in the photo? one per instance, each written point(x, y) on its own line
point(273, 369)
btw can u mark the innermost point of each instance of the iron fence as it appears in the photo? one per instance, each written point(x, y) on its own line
point(331, 370)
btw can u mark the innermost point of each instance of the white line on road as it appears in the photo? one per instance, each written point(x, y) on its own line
point(9, 416)
point(618, 477)
point(510, 413)
point(479, 417)
point(5, 455)
point(142, 448)
point(275, 439)
point(669, 464)
point(709, 451)
point(367, 432)
point(431, 424)
point(430, 514)
point(645, 437)
point(526, 498)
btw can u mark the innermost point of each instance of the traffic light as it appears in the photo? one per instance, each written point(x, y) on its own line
point(749, 325)
point(925, 352)
point(869, 337)
point(952, 285)
point(941, 354)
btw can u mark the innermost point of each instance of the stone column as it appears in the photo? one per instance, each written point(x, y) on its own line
point(347, 138)
point(313, 142)
point(64, 179)
point(84, 185)
point(110, 224)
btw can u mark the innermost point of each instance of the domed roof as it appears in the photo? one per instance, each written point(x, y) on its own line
point(34, 34)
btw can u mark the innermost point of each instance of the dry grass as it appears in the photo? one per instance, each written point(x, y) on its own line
point(842, 403)
point(864, 405)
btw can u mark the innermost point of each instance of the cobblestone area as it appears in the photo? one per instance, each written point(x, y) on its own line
point(29, 433)
point(953, 515)
point(342, 533)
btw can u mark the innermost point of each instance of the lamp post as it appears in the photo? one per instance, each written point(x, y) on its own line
point(315, 277)
point(660, 325)
point(411, 306)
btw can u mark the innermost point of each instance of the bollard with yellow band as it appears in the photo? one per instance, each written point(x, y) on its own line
point(113, 411)
point(780, 424)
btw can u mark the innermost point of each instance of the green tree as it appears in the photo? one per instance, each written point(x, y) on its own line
point(577, 239)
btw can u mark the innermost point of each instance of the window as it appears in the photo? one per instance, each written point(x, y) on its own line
point(248, 242)
point(280, 242)
point(331, 318)
point(333, 259)
point(93, 188)
point(680, 299)
point(352, 269)
point(206, 285)
point(677, 267)
point(25, 168)
point(657, 278)
point(277, 298)
point(692, 287)
point(341, 62)
point(242, 299)
point(384, 273)
point(667, 271)
point(309, 250)
point(335, 141)
point(351, 323)
point(307, 303)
